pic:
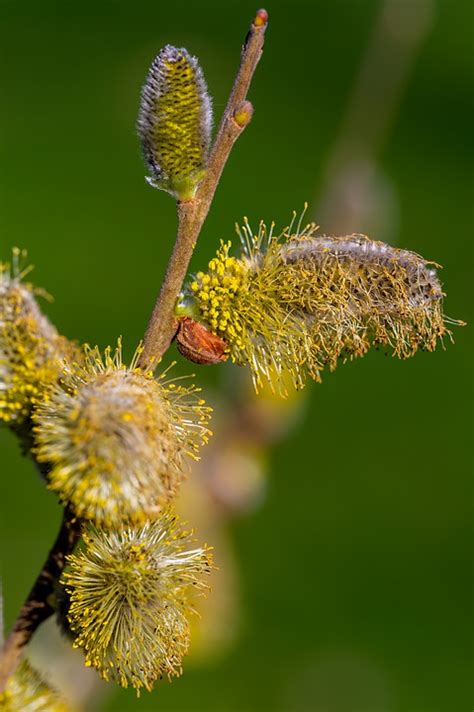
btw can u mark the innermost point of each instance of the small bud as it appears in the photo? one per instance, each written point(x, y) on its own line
point(131, 596)
point(30, 347)
point(174, 123)
point(199, 345)
point(243, 114)
point(261, 18)
point(298, 303)
point(25, 691)
point(115, 438)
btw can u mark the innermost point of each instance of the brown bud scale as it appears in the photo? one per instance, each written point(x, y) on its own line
point(199, 345)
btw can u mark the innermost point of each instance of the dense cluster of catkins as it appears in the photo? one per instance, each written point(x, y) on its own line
point(112, 440)
point(299, 303)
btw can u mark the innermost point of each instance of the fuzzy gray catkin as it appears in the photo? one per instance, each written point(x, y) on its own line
point(174, 123)
point(299, 303)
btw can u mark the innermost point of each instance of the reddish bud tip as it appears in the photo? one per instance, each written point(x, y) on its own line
point(261, 18)
point(243, 114)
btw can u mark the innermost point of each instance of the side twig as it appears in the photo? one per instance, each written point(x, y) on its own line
point(38, 605)
point(191, 214)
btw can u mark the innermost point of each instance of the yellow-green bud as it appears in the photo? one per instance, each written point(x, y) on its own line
point(131, 596)
point(174, 123)
point(243, 114)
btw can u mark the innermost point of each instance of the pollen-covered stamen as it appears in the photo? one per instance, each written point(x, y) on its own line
point(130, 593)
point(116, 438)
point(217, 290)
point(174, 123)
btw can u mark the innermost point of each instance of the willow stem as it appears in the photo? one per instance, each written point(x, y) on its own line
point(191, 214)
point(38, 605)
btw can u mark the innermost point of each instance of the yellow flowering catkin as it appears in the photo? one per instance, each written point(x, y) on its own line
point(30, 347)
point(130, 593)
point(299, 303)
point(115, 438)
point(174, 123)
point(26, 692)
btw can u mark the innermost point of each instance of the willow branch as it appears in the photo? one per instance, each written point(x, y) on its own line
point(38, 605)
point(191, 214)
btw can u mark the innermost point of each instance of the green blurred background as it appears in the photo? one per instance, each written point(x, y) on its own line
point(355, 569)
